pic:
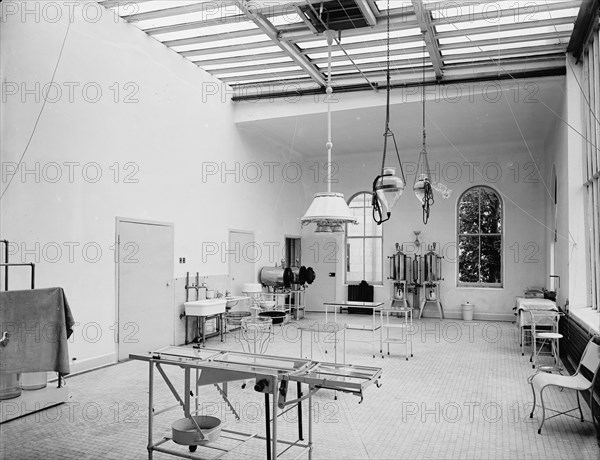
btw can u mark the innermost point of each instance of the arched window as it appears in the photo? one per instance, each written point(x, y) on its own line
point(364, 243)
point(480, 238)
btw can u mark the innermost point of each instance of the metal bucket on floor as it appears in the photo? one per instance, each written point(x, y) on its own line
point(34, 380)
point(10, 384)
point(467, 311)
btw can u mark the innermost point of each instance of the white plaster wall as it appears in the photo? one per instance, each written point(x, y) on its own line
point(524, 217)
point(164, 137)
point(508, 166)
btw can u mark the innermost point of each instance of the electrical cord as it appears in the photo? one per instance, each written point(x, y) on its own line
point(40, 113)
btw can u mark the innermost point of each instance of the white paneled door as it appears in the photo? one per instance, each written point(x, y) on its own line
point(322, 253)
point(242, 255)
point(144, 286)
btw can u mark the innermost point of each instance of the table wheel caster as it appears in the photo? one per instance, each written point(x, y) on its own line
point(407, 358)
point(193, 448)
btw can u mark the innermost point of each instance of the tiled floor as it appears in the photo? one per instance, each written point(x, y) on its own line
point(463, 395)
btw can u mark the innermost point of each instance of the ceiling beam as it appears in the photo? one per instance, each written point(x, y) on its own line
point(424, 20)
point(366, 11)
point(290, 49)
point(585, 23)
point(294, 88)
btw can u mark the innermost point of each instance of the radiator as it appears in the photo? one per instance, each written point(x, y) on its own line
point(362, 292)
point(572, 345)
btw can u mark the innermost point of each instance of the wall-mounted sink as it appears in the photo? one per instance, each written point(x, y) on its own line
point(233, 300)
point(205, 307)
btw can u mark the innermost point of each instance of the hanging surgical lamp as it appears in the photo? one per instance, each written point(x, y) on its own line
point(422, 185)
point(387, 187)
point(329, 210)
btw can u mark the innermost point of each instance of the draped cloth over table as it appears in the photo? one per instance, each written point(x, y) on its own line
point(38, 323)
point(524, 304)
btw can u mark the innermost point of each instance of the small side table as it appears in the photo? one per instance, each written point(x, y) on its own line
point(406, 326)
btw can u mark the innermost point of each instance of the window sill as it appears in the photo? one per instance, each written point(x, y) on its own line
point(588, 317)
point(493, 288)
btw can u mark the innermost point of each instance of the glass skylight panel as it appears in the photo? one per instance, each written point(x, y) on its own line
point(368, 49)
point(265, 71)
point(218, 43)
point(232, 81)
point(507, 34)
point(402, 57)
point(518, 11)
point(233, 54)
point(125, 8)
point(230, 65)
point(446, 24)
point(211, 30)
point(208, 13)
point(285, 19)
point(394, 4)
point(501, 47)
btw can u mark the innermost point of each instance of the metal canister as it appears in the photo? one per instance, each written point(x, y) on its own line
point(272, 276)
point(400, 266)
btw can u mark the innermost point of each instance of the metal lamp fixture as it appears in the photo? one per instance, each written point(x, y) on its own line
point(387, 187)
point(422, 185)
point(329, 210)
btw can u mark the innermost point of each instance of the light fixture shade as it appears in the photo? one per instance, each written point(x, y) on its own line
point(337, 228)
point(388, 189)
point(323, 228)
point(419, 187)
point(328, 208)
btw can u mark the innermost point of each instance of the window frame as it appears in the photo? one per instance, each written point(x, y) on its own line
point(364, 238)
point(480, 285)
point(591, 163)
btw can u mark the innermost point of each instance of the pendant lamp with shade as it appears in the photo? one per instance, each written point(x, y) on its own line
point(387, 186)
point(422, 185)
point(329, 210)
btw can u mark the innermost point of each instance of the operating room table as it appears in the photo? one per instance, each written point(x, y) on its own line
point(271, 374)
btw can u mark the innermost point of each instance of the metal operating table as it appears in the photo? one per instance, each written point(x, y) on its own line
point(272, 375)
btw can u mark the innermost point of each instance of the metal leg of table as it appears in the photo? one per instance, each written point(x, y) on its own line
point(299, 395)
point(268, 425)
point(186, 390)
point(310, 417)
point(274, 386)
point(150, 406)
point(186, 329)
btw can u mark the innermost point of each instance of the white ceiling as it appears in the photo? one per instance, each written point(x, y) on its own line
point(471, 120)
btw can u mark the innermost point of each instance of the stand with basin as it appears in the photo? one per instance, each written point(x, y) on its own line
point(205, 309)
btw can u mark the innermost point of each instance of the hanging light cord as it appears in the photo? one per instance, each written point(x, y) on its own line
point(428, 199)
point(378, 216)
point(329, 91)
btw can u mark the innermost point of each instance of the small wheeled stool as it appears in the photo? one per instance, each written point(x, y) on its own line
point(547, 337)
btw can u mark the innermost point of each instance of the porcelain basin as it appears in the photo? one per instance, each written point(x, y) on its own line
point(205, 307)
point(234, 299)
